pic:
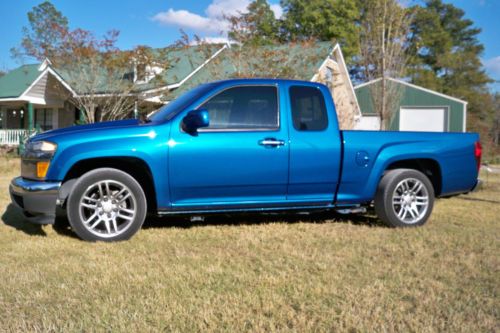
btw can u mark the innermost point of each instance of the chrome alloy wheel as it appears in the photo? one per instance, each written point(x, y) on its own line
point(410, 200)
point(107, 208)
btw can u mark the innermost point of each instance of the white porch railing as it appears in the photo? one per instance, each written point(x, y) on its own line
point(12, 136)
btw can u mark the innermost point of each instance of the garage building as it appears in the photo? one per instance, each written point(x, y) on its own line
point(419, 109)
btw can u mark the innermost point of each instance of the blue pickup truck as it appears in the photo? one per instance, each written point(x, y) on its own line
point(248, 145)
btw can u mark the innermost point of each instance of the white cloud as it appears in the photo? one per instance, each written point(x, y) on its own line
point(493, 65)
point(186, 19)
point(213, 21)
point(219, 8)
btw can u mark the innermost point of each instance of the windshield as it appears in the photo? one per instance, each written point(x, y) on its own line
point(168, 111)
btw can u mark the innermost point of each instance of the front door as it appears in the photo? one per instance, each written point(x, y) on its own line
point(241, 159)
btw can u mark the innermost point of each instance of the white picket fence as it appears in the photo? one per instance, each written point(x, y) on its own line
point(12, 137)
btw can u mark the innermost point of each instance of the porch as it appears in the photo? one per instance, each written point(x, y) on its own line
point(33, 97)
point(18, 119)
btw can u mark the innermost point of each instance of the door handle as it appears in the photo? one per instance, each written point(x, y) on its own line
point(271, 142)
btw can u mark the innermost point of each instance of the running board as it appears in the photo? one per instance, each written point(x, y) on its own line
point(199, 212)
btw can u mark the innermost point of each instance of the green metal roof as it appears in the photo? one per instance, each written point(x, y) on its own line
point(304, 60)
point(182, 62)
point(15, 82)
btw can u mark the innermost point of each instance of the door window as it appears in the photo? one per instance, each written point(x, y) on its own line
point(308, 109)
point(244, 108)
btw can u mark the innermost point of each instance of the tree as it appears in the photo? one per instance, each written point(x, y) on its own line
point(257, 52)
point(104, 79)
point(257, 26)
point(384, 26)
point(44, 35)
point(2, 73)
point(255, 48)
point(447, 52)
point(324, 20)
point(495, 130)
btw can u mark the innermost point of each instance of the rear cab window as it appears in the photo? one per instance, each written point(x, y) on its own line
point(308, 108)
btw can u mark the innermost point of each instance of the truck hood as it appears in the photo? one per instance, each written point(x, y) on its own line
point(84, 129)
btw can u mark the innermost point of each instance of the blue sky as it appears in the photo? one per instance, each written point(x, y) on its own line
point(157, 22)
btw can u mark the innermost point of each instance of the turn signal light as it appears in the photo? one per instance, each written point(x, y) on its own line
point(42, 168)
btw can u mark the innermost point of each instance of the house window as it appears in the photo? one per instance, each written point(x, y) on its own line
point(43, 118)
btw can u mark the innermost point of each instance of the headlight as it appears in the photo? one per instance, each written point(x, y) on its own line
point(41, 146)
point(36, 159)
point(44, 146)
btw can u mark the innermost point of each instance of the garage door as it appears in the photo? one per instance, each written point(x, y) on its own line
point(423, 119)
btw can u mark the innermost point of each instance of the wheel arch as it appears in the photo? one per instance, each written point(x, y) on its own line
point(427, 166)
point(135, 167)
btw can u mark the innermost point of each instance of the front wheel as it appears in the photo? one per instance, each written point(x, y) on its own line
point(106, 205)
point(404, 198)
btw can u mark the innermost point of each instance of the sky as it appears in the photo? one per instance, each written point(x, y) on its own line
point(157, 23)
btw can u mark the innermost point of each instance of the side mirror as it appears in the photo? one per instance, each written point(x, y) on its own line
point(194, 120)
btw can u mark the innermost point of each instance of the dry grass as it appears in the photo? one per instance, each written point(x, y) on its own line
point(258, 274)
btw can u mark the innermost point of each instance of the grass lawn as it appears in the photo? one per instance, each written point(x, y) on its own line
point(244, 273)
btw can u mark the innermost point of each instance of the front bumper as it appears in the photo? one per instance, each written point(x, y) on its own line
point(37, 199)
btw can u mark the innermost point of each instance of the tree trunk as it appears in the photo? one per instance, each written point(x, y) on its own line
point(383, 105)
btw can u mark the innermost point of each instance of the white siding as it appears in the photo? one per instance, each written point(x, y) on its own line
point(368, 123)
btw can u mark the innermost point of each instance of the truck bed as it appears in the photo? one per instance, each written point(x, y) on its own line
point(368, 153)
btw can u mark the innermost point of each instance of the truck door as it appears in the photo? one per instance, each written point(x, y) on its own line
point(315, 144)
point(241, 159)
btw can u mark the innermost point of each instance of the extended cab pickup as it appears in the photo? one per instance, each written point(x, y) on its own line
point(238, 146)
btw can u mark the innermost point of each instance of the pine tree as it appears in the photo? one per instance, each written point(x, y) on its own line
point(447, 52)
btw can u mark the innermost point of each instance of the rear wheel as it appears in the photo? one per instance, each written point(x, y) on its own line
point(106, 205)
point(404, 198)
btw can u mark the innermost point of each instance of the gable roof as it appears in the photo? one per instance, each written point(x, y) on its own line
point(306, 62)
point(413, 86)
point(14, 83)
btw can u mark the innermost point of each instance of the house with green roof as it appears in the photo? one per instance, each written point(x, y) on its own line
point(38, 95)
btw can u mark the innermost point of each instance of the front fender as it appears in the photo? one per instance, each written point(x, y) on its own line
point(148, 145)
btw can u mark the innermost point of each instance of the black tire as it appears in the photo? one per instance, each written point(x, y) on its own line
point(76, 211)
point(387, 196)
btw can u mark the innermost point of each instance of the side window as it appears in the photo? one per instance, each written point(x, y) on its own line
point(248, 107)
point(308, 109)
